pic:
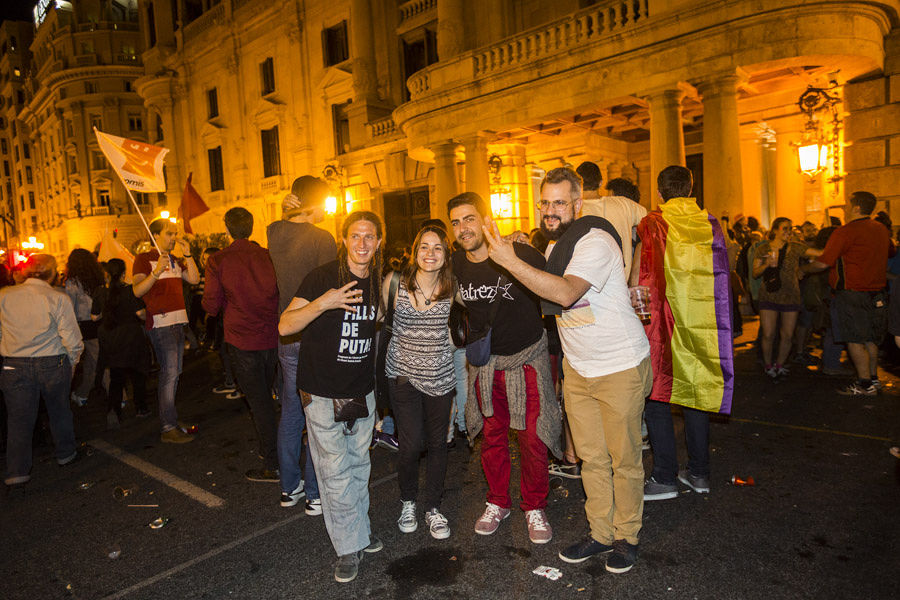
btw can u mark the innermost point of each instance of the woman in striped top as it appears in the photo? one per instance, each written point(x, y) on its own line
point(419, 368)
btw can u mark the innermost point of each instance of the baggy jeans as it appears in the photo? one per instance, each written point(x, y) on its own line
point(342, 463)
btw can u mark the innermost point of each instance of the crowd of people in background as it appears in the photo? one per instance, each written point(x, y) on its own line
point(565, 335)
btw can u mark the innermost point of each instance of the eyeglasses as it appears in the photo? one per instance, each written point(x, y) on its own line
point(557, 204)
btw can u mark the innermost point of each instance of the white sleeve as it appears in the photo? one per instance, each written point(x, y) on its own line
point(595, 256)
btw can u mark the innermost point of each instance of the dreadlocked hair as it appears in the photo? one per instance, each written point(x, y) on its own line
point(375, 264)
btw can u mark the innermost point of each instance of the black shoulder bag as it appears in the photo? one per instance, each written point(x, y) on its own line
point(382, 394)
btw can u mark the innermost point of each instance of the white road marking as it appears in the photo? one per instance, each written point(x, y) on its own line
point(188, 489)
point(215, 551)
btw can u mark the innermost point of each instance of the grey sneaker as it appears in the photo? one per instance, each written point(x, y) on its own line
point(539, 530)
point(437, 524)
point(490, 520)
point(654, 490)
point(347, 567)
point(375, 545)
point(407, 521)
point(698, 484)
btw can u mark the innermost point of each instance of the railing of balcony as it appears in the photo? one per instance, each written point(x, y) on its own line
point(598, 21)
point(382, 127)
point(204, 21)
point(412, 8)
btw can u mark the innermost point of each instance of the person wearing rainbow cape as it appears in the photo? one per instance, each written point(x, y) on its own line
point(684, 263)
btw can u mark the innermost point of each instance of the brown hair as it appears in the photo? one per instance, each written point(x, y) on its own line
point(444, 288)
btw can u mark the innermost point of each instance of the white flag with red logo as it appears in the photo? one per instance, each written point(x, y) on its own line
point(139, 165)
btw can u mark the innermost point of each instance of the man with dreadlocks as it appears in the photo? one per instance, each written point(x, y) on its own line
point(335, 308)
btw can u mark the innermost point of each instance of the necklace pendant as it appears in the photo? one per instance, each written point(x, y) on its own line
point(427, 301)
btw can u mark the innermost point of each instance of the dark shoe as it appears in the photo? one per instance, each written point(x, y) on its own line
point(16, 480)
point(375, 545)
point(583, 550)
point(622, 557)
point(289, 499)
point(142, 413)
point(347, 567)
point(654, 490)
point(72, 458)
point(858, 389)
point(451, 444)
point(388, 441)
point(223, 389)
point(313, 507)
point(263, 475)
point(698, 484)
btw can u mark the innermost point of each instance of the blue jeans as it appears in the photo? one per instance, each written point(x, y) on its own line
point(168, 345)
point(342, 462)
point(24, 382)
point(662, 439)
point(290, 428)
point(458, 404)
point(255, 370)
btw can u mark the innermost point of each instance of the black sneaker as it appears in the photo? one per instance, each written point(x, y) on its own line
point(388, 441)
point(375, 545)
point(263, 475)
point(347, 567)
point(583, 550)
point(622, 557)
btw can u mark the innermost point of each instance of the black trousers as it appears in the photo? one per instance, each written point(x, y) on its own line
point(117, 377)
point(422, 422)
point(255, 373)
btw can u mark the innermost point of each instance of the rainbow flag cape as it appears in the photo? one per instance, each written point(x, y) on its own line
point(685, 265)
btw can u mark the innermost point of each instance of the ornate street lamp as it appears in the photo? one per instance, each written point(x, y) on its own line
point(818, 146)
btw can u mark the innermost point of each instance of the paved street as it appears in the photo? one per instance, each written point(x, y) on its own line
point(820, 523)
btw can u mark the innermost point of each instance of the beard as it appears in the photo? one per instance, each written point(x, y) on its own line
point(555, 234)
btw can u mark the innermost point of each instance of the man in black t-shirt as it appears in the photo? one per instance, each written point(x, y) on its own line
point(514, 389)
point(335, 308)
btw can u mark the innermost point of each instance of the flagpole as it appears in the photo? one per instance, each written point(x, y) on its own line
point(144, 221)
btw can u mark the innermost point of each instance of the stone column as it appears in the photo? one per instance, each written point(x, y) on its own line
point(451, 34)
point(666, 133)
point(789, 188)
point(722, 187)
point(365, 81)
point(446, 179)
point(477, 178)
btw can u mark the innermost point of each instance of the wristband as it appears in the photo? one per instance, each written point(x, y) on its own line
point(188, 256)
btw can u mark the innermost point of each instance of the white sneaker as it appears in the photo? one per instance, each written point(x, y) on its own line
point(313, 507)
point(407, 521)
point(288, 500)
point(437, 524)
point(78, 400)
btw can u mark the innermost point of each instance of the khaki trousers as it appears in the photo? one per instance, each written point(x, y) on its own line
point(604, 416)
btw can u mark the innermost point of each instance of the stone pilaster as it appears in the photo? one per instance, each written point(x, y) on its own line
point(477, 177)
point(451, 35)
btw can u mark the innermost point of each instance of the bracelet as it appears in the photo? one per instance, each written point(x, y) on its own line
point(188, 256)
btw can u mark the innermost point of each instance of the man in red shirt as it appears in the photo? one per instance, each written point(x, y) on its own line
point(240, 282)
point(157, 280)
point(857, 254)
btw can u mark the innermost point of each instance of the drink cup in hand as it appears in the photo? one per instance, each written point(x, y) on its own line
point(640, 301)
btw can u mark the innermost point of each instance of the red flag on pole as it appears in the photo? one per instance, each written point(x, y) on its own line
point(192, 205)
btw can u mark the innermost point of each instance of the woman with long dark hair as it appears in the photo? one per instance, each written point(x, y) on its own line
point(123, 343)
point(778, 263)
point(83, 278)
point(420, 373)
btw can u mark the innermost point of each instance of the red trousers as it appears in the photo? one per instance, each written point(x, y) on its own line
point(535, 483)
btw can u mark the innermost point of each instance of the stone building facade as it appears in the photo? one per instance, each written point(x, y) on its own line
point(402, 104)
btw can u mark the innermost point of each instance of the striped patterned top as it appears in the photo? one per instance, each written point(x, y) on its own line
point(420, 347)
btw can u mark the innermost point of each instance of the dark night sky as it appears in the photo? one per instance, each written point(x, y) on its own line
point(16, 10)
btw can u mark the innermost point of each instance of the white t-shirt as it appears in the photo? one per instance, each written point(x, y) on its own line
point(600, 333)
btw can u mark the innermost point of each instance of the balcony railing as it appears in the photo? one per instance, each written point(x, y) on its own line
point(597, 22)
point(86, 60)
point(413, 8)
point(382, 128)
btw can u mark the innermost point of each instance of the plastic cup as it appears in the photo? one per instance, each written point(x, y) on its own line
point(640, 301)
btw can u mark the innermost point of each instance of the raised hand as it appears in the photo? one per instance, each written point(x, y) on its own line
point(501, 250)
point(344, 297)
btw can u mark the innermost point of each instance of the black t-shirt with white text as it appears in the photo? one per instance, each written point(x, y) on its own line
point(337, 353)
point(518, 322)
